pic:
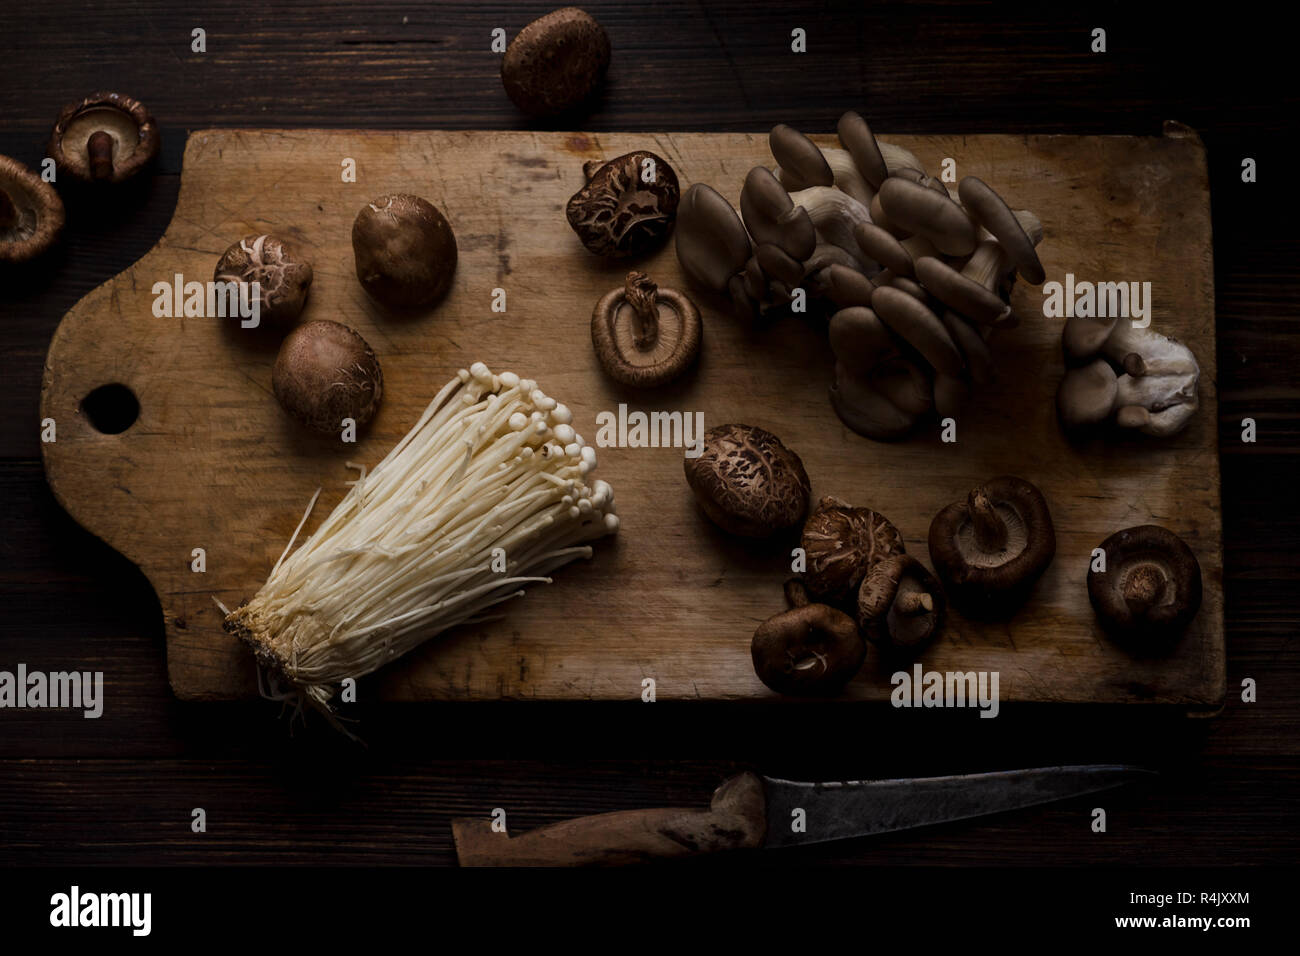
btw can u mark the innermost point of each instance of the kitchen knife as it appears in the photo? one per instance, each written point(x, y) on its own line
point(749, 811)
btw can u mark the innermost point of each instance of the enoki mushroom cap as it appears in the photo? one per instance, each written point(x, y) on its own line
point(990, 548)
point(411, 551)
point(1151, 587)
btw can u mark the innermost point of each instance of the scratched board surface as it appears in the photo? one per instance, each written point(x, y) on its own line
point(212, 462)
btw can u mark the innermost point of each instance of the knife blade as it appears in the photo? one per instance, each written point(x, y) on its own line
point(749, 811)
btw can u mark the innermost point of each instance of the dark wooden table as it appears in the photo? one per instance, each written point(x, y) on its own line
point(120, 789)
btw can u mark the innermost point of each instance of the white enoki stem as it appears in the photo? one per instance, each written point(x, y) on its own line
point(493, 463)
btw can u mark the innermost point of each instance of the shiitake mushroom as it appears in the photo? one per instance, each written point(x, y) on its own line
point(405, 251)
point(842, 543)
point(325, 373)
point(811, 650)
point(556, 63)
point(748, 482)
point(282, 275)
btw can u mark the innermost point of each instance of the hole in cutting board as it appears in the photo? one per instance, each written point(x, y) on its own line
point(111, 409)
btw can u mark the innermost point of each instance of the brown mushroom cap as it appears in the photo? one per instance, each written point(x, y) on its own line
point(107, 137)
point(841, 544)
point(1151, 588)
point(326, 372)
point(857, 138)
point(556, 63)
point(973, 348)
point(771, 216)
point(860, 340)
point(777, 263)
point(645, 335)
point(1087, 395)
point(917, 209)
point(865, 409)
point(618, 213)
point(747, 482)
point(282, 275)
point(881, 245)
point(846, 286)
point(31, 213)
point(810, 651)
point(711, 242)
point(991, 212)
point(911, 320)
point(1085, 335)
point(991, 548)
point(801, 161)
point(405, 251)
point(900, 605)
point(958, 292)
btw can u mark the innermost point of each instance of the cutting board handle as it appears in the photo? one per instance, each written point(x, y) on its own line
point(735, 820)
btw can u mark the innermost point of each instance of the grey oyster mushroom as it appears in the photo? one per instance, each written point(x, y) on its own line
point(835, 215)
point(923, 273)
point(712, 245)
point(1136, 379)
point(801, 161)
point(879, 391)
point(618, 213)
point(920, 210)
point(772, 218)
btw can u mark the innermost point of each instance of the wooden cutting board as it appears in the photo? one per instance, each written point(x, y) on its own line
point(213, 463)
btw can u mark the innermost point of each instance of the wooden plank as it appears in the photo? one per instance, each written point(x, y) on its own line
point(213, 463)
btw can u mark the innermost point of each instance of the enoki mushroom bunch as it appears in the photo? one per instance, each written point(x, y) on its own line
point(920, 278)
point(487, 493)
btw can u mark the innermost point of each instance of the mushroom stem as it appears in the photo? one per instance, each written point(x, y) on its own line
point(796, 593)
point(913, 603)
point(100, 150)
point(1134, 364)
point(1143, 588)
point(8, 212)
point(990, 529)
point(642, 294)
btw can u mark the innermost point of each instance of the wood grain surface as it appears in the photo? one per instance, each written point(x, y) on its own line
point(118, 790)
point(213, 463)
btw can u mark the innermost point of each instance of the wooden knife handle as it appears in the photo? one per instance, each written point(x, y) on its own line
point(736, 819)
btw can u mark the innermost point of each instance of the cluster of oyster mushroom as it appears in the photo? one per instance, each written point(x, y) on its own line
point(1125, 376)
point(920, 279)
